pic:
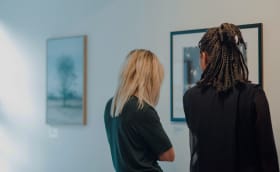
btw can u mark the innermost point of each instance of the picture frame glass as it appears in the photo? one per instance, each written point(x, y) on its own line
point(66, 80)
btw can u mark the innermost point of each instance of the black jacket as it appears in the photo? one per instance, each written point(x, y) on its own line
point(230, 132)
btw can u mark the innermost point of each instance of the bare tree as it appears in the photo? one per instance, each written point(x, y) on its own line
point(66, 73)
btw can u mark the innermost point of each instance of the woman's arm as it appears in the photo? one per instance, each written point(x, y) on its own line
point(168, 155)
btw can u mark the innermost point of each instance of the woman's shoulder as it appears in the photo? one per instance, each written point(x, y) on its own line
point(133, 113)
point(132, 106)
point(251, 85)
point(108, 107)
point(250, 88)
point(250, 91)
point(195, 91)
point(147, 111)
point(107, 111)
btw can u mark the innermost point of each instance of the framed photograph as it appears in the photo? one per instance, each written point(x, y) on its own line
point(185, 68)
point(66, 80)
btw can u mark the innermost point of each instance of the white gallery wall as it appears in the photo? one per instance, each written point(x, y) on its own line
point(113, 27)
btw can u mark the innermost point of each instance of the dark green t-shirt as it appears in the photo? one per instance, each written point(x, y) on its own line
point(136, 137)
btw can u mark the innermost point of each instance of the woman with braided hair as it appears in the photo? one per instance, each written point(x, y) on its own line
point(228, 117)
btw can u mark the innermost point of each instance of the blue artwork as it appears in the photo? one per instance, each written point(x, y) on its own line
point(65, 80)
point(192, 71)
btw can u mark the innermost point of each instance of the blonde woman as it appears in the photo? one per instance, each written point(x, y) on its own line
point(136, 137)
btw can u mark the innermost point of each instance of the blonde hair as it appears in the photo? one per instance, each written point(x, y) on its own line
point(141, 76)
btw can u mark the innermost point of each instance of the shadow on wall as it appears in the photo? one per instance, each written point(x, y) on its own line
point(2, 117)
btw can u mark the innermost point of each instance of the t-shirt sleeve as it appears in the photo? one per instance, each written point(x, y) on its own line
point(151, 131)
point(264, 134)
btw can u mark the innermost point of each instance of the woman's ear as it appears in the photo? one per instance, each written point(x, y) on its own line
point(203, 60)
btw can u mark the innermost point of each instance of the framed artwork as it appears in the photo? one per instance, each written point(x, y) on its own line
point(185, 68)
point(66, 80)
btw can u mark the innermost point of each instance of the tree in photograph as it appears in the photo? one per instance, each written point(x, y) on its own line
point(67, 76)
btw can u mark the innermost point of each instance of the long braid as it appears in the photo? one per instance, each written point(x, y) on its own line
point(226, 66)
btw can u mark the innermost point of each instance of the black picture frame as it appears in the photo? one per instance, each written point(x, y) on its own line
point(184, 62)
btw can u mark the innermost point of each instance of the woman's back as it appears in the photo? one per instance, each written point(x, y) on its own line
point(225, 133)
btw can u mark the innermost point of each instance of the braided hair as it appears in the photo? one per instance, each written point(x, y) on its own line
point(226, 66)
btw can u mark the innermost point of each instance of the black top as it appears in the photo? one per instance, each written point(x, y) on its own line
point(136, 138)
point(230, 133)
